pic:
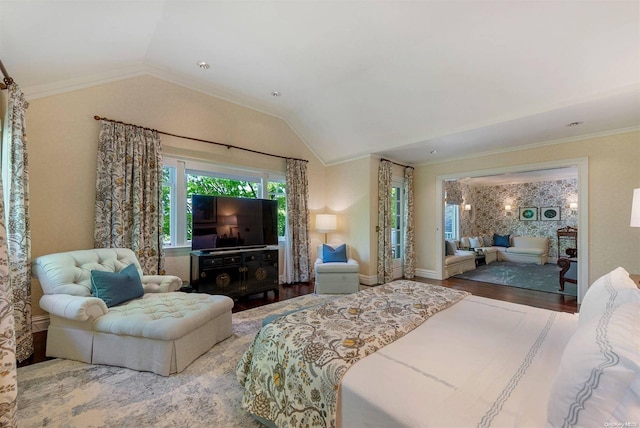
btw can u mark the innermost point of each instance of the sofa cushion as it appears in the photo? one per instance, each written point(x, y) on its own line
point(459, 256)
point(525, 250)
point(334, 255)
point(117, 287)
point(338, 267)
point(531, 242)
point(163, 316)
point(501, 240)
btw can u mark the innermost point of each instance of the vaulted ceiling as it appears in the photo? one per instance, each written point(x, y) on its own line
point(416, 82)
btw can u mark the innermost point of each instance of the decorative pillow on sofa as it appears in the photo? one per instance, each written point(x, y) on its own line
point(117, 287)
point(608, 291)
point(475, 242)
point(501, 240)
point(464, 243)
point(486, 241)
point(597, 379)
point(334, 255)
point(450, 248)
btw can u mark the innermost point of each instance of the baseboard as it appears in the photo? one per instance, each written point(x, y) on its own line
point(369, 279)
point(424, 273)
point(39, 323)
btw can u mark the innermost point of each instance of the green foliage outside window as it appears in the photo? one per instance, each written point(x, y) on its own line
point(205, 185)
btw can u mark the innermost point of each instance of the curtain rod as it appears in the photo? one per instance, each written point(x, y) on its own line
point(228, 146)
point(396, 163)
point(7, 79)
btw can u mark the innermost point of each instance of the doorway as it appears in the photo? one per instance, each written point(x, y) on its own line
point(580, 165)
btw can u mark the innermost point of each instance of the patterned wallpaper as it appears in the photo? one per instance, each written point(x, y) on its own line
point(488, 215)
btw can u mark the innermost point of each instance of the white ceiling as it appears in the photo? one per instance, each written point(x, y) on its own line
point(393, 78)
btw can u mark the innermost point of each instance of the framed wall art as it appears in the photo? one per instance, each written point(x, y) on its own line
point(550, 213)
point(528, 213)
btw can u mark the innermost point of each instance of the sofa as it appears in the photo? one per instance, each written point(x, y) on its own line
point(456, 260)
point(104, 310)
point(527, 249)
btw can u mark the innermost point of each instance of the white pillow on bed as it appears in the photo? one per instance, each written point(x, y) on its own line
point(612, 289)
point(598, 382)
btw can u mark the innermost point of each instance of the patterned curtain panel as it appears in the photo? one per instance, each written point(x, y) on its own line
point(16, 182)
point(297, 247)
point(15, 285)
point(453, 193)
point(409, 226)
point(129, 193)
point(385, 257)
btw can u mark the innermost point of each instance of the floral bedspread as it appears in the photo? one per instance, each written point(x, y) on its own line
point(292, 371)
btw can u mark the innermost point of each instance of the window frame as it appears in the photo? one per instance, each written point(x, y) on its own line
point(178, 190)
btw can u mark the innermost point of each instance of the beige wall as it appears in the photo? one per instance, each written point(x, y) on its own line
point(613, 174)
point(62, 136)
point(62, 149)
point(349, 193)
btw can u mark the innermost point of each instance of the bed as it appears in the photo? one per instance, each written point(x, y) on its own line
point(456, 360)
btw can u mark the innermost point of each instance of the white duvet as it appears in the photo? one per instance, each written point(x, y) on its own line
point(481, 362)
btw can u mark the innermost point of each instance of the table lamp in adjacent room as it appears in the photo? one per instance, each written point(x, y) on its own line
point(326, 223)
point(635, 209)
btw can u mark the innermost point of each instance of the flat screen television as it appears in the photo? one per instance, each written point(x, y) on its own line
point(224, 222)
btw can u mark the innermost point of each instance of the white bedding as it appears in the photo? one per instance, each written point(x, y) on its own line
point(481, 362)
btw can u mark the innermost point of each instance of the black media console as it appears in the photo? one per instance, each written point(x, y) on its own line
point(235, 273)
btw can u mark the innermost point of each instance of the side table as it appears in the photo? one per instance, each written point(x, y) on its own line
point(636, 279)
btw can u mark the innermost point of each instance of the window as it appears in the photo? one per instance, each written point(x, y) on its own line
point(451, 221)
point(397, 226)
point(181, 179)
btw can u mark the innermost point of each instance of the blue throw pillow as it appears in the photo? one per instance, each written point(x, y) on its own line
point(501, 240)
point(116, 287)
point(334, 255)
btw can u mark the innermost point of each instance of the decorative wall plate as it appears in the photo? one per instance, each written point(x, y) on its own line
point(528, 213)
point(550, 213)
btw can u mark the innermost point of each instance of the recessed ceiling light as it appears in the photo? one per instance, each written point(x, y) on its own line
point(203, 65)
point(275, 94)
point(575, 124)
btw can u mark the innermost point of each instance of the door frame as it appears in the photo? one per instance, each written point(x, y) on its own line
point(581, 164)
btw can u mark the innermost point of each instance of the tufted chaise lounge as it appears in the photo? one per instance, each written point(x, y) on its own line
point(163, 331)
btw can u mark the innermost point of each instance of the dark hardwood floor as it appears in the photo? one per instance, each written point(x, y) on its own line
point(537, 299)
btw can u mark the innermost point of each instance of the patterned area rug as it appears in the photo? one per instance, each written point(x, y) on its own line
point(64, 393)
point(522, 275)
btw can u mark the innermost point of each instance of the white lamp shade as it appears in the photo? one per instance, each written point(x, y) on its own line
point(326, 223)
point(635, 209)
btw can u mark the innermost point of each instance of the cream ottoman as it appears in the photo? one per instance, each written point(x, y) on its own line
point(337, 278)
point(162, 333)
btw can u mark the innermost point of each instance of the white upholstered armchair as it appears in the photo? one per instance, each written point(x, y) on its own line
point(336, 272)
point(146, 327)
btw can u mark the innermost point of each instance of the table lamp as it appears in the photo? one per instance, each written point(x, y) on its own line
point(326, 223)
